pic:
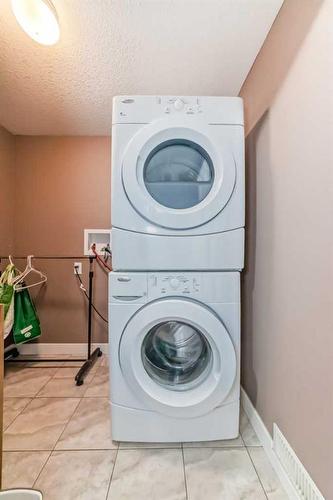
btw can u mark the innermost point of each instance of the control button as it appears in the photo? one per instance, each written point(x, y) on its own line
point(154, 280)
point(179, 104)
point(190, 110)
point(174, 283)
point(167, 110)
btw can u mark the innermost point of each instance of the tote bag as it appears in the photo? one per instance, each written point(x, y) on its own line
point(26, 322)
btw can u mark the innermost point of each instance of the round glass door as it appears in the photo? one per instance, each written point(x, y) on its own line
point(176, 355)
point(178, 174)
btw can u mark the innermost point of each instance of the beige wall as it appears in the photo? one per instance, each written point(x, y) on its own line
point(287, 292)
point(276, 56)
point(6, 191)
point(62, 185)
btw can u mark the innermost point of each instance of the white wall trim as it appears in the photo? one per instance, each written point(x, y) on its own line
point(266, 441)
point(40, 349)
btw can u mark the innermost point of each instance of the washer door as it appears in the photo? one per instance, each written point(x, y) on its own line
point(174, 176)
point(178, 358)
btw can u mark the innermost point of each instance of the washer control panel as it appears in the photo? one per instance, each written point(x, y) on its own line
point(178, 284)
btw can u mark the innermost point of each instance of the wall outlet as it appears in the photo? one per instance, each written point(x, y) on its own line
point(77, 267)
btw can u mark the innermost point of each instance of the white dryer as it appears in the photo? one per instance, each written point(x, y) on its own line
point(174, 356)
point(177, 183)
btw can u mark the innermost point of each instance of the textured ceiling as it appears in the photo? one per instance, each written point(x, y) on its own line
point(111, 47)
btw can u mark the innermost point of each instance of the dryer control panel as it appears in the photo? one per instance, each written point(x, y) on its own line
point(178, 284)
point(136, 109)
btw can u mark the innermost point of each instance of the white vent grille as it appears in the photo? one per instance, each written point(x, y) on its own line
point(295, 470)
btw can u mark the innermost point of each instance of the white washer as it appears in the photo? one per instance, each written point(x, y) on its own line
point(174, 356)
point(177, 183)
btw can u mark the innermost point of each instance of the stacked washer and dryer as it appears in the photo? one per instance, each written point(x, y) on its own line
point(178, 249)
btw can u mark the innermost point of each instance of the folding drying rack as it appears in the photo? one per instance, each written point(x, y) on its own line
point(88, 362)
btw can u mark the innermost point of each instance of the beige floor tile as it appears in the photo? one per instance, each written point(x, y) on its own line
point(11, 369)
point(62, 388)
point(11, 408)
point(21, 468)
point(221, 474)
point(27, 382)
point(77, 475)
point(45, 364)
point(105, 360)
point(99, 386)
point(127, 445)
point(248, 434)
point(267, 475)
point(103, 370)
point(23, 371)
point(39, 426)
point(148, 474)
point(74, 362)
point(89, 427)
point(225, 443)
point(71, 372)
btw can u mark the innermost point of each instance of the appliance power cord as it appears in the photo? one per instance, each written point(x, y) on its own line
point(86, 295)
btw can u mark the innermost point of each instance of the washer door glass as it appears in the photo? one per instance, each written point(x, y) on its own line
point(176, 355)
point(178, 174)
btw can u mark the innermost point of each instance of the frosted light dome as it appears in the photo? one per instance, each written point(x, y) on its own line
point(38, 18)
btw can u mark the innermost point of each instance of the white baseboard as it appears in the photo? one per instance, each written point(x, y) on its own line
point(40, 349)
point(267, 442)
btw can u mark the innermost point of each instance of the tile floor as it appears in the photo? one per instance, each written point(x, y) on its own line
point(57, 439)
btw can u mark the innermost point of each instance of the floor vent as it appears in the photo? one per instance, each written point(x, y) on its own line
point(295, 470)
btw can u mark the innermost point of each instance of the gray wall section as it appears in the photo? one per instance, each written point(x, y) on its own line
point(287, 284)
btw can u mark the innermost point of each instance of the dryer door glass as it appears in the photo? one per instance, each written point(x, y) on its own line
point(177, 355)
point(178, 174)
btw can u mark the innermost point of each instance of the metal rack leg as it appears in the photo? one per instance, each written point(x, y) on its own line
point(92, 357)
point(85, 368)
point(11, 353)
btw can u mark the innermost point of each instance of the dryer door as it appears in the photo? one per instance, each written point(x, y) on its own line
point(174, 175)
point(178, 358)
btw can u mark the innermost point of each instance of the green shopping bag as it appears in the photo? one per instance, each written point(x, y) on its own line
point(7, 297)
point(26, 323)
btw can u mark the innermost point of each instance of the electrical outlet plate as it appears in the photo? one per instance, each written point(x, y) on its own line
point(101, 238)
point(77, 267)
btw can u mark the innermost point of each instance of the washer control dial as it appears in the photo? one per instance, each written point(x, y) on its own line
point(174, 283)
point(179, 104)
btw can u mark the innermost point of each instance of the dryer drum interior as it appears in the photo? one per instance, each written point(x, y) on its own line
point(178, 173)
point(176, 354)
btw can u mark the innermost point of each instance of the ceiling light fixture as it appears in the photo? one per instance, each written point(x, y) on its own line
point(38, 18)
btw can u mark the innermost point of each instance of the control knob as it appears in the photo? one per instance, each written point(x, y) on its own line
point(174, 283)
point(179, 104)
